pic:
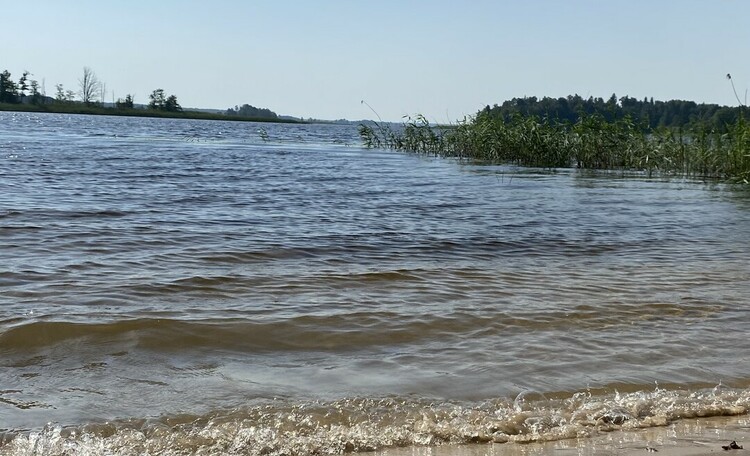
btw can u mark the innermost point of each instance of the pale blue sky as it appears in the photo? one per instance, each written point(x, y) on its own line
point(444, 59)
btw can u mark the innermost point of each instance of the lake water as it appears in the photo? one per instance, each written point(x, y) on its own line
point(197, 287)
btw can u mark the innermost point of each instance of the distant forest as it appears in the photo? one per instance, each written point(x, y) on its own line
point(647, 113)
point(251, 111)
point(28, 94)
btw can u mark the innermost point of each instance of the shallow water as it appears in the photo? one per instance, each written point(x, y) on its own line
point(243, 288)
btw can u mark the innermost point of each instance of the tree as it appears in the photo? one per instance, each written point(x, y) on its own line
point(22, 86)
point(157, 100)
point(88, 86)
point(103, 89)
point(247, 110)
point(60, 93)
point(127, 103)
point(160, 102)
point(35, 95)
point(7, 88)
point(171, 104)
point(64, 96)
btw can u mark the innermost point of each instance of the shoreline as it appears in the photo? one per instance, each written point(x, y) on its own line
point(101, 111)
point(688, 437)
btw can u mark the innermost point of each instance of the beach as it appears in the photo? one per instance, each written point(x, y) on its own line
point(691, 437)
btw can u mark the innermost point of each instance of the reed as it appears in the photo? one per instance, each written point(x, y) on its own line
point(591, 143)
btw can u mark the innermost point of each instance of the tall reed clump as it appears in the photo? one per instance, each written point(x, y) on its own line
point(737, 152)
point(415, 135)
point(590, 143)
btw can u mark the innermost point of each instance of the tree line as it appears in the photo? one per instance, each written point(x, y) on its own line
point(15, 92)
point(91, 92)
point(647, 113)
point(247, 110)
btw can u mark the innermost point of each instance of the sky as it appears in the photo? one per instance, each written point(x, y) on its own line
point(322, 58)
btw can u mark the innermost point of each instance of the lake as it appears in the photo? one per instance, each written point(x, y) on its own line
point(179, 286)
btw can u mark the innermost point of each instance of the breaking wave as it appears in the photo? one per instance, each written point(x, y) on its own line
point(367, 424)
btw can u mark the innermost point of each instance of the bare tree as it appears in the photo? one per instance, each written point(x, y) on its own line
point(89, 86)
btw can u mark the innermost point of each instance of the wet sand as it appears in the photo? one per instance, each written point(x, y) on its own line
point(697, 437)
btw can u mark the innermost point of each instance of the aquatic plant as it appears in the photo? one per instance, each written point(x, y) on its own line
point(592, 142)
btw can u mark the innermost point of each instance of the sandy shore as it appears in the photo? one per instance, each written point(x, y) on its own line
point(697, 437)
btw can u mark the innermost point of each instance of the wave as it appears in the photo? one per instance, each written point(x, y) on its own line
point(338, 332)
point(335, 332)
point(281, 427)
point(60, 214)
point(394, 245)
point(301, 333)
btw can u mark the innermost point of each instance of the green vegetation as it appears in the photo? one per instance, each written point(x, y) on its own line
point(647, 113)
point(79, 108)
point(159, 102)
point(591, 140)
point(29, 95)
point(251, 111)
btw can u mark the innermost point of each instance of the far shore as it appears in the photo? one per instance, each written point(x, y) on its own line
point(134, 112)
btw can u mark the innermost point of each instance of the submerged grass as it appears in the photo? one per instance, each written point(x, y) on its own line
point(590, 143)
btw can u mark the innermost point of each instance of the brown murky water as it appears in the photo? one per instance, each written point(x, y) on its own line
point(183, 286)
